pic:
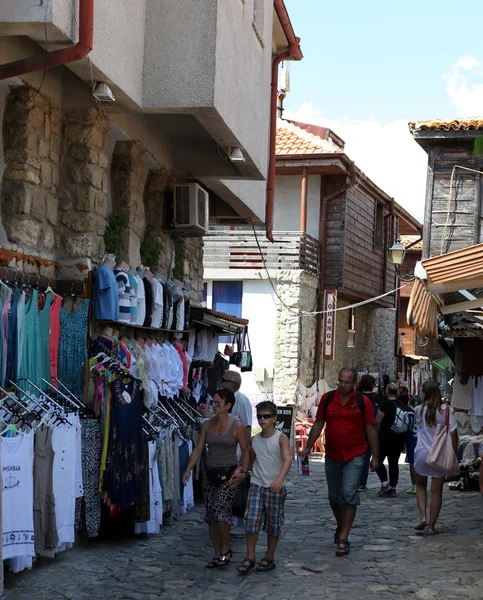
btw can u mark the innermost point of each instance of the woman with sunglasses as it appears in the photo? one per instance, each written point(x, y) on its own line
point(221, 435)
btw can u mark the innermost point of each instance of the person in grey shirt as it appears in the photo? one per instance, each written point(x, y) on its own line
point(242, 411)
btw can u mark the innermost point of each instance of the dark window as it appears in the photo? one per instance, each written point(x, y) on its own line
point(227, 298)
point(379, 227)
point(205, 292)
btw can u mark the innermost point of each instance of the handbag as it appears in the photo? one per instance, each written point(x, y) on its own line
point(246, 360)
point(241, 498)
point(219, 475)
point(442, 456)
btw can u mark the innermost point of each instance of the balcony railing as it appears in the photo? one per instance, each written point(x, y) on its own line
point(292, 250)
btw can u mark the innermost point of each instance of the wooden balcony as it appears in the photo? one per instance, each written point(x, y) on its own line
point(292, 250)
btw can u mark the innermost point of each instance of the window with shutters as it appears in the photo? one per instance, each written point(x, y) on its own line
point(351, 337)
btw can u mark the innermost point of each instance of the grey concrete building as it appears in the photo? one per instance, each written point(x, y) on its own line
point(191, 83)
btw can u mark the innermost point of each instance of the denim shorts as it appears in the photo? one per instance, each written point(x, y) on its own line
point(343, 480)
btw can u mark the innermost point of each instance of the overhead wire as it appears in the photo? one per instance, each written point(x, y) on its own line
point(311, 313)
point(46, 35)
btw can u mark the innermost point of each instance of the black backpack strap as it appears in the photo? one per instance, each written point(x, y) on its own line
point(328, 399)
point(361, 404)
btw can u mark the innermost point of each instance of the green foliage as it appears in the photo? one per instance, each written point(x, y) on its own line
point(178, 271)
point(114, 233)
point(151, 248)
point(478, 147)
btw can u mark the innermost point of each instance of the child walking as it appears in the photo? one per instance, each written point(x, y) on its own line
point(271, 462)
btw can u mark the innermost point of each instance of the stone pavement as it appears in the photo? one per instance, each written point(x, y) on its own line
point(387, 558)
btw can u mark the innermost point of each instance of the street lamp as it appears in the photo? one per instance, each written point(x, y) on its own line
point(398, 252)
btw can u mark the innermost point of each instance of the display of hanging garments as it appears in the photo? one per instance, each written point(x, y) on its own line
point(20, 330)
point(88, 508)
point(155, 495)
point(17, 496)
point(73, 347)
point(66, 478)
point(30, 366)
point(6, 296)
point(142, 505)
point(477, 403)
point(45, 528)
point(44, 328)
point(1, 529)
point(463, 393)
point(12, 354)
point(54, 335)
point(125, 473)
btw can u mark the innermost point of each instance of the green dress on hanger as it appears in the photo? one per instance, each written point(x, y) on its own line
point(31, 364)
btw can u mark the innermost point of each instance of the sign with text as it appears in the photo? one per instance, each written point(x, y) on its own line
point(328, 339)
point(284, 422)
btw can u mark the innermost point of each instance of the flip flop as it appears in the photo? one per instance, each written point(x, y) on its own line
point(421, 526)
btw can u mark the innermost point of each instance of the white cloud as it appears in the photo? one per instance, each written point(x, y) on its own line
point(464, 86)
point(386, 153)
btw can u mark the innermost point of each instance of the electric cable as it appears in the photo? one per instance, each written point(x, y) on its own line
point(37, 91)
point(305, 313)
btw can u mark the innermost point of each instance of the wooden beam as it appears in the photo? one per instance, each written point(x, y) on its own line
point(461, 306)
point(454, 286)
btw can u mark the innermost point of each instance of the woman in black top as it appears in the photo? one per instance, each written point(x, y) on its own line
point(366, 387)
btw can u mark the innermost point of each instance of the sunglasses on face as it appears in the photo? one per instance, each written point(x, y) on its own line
point(265, 416)
point(223, 380)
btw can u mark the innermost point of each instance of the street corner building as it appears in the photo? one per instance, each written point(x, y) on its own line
point(332, 230)
point(127, 131)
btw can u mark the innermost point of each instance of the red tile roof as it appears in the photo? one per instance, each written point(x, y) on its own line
point(465, 124)
point(407, 240)
point(292, 139)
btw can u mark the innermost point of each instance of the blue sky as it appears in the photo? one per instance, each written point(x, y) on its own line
point(368, 71)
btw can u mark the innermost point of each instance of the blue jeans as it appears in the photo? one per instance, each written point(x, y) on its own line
point(343, 480)
point(366, 466)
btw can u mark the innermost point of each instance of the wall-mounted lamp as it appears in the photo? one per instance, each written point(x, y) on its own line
point(398, 252)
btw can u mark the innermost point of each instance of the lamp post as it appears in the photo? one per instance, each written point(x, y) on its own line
point(398, 252)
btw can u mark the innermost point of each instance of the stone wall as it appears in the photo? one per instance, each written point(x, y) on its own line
point(374, 343)
point(127, 191)
point(55, 187)
point(31, 135)
point(84, 188)
point(295, 337)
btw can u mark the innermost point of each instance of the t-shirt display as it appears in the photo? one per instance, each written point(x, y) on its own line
point(106, 304)
point(124, 294)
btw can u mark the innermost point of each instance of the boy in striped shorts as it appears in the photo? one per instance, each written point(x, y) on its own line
point(271, 460)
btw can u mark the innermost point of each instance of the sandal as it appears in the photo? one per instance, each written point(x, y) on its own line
point(421, 526)
point(267, 564)
point(343, 549)
point(224, 559)
point(245, 566)
point(213, 563)
point(337, 535)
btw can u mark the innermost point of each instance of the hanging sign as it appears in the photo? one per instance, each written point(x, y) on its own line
point(328, 339)
point(285, 418)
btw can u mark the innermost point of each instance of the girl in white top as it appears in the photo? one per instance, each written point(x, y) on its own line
point(429, 414)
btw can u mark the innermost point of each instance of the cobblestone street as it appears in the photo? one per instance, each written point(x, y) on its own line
point(386, 559)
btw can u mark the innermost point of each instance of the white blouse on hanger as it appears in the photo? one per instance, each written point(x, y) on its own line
point(17, 455)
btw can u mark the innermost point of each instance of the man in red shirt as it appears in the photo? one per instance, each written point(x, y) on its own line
point(350, 423)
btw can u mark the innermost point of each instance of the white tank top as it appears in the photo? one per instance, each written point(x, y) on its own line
point(269, 461)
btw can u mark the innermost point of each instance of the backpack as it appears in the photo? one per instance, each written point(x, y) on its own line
point(359, 399)
point(403, 419)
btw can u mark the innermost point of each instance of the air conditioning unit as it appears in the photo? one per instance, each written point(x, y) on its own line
point(191, 208)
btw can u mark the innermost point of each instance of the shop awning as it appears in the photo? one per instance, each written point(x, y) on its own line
point(449, 287)
point(223, 322)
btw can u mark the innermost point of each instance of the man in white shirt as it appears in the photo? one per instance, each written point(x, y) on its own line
point(242, 411)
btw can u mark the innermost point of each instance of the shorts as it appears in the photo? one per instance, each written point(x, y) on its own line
point(265, 510)
point(219, 500)
point(411, 447)
point(343, 480)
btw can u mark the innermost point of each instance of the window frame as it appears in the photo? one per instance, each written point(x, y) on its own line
point(379, 226)
point(351, 328)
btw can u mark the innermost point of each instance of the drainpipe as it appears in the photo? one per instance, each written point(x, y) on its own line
point(324, 212)
point(303, 201)
point(58, 57)
point(294, 52)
